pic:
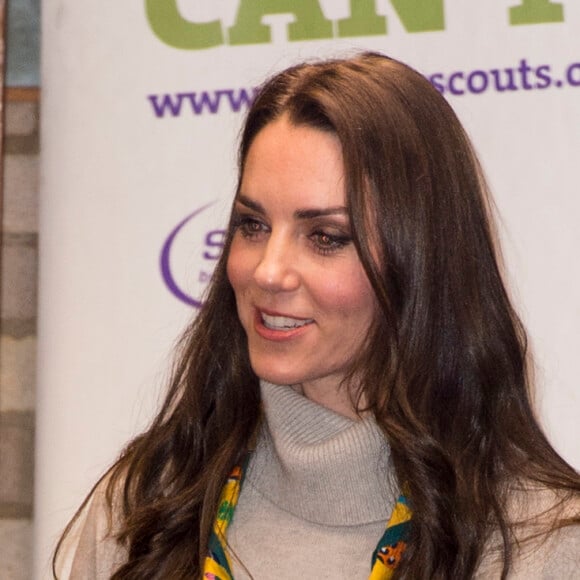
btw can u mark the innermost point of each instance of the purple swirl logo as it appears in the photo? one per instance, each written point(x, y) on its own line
point(184, 234)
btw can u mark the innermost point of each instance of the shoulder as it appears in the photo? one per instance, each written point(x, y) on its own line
point(90, 548)
point(546, 537)
point(555, 556)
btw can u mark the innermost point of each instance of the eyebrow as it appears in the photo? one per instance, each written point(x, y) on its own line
point(305, 213)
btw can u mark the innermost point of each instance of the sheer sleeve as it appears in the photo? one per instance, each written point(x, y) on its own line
point(90, 551)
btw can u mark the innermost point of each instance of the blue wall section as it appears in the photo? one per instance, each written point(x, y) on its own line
point(23, 43)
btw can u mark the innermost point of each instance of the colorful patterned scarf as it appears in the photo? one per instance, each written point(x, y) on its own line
point(386, 557)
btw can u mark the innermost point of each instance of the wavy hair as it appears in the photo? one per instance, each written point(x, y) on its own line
point(444, 369)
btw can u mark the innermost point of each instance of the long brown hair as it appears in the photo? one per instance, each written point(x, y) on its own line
point(444, 369)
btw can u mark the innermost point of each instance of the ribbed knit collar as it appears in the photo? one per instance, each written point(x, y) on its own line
point(318, 465)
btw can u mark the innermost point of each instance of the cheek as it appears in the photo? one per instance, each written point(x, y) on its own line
point(348, 296)
point(235, 267)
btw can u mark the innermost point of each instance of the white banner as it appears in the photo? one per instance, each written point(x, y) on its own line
point(142, 104)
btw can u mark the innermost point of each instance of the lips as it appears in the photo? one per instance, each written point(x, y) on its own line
point(275, 326)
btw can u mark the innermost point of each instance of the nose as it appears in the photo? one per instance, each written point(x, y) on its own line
point(277, 269)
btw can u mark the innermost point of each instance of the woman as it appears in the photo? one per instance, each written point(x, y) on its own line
point(357, 346)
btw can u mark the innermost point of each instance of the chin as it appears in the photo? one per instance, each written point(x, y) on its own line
point(277, 378)
point(276, 375)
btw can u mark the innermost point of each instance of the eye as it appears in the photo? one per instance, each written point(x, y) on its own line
point(328, 243)
point(249, 226)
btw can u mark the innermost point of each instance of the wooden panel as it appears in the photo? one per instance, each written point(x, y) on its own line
point(28, 94)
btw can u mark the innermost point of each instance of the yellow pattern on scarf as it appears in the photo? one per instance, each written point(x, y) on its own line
point(217, 565)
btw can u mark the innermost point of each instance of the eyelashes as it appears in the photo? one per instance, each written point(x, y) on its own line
point(323, 240)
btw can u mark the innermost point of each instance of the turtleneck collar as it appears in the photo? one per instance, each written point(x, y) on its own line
point(318, 465)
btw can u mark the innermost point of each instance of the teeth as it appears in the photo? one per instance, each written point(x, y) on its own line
point(283, 322)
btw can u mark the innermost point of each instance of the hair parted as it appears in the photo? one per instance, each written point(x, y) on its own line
point(444, 369)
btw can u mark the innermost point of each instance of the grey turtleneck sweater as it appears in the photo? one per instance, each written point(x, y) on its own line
point(316, 497)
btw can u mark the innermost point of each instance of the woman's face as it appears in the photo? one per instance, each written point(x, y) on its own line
point(302, 295)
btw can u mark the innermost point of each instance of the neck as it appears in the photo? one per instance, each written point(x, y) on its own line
point(335, 397)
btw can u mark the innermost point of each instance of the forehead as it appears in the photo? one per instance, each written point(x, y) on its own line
point(296, 163)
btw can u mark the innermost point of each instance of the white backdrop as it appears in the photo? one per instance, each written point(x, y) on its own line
point(137, 180)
